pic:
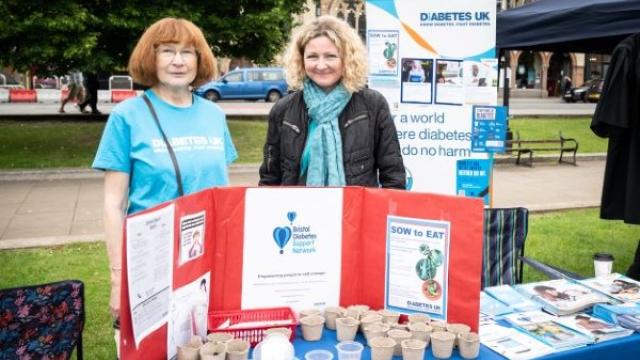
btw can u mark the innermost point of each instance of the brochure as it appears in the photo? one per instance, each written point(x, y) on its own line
point(626, 315)
point(616, 286)
point(492, 306)
point(513, 344)
point(562, 297)
point(508, 295)
point(599, 330)
point(546, 328)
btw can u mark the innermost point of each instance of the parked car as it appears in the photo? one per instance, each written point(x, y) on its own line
point(249, 83)
point(589, 91)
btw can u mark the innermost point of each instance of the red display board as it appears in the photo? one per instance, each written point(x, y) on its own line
point(364, 229)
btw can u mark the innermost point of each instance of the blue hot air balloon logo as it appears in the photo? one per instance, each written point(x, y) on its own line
point(281, 235)
point(409, 183)
point(291, 215)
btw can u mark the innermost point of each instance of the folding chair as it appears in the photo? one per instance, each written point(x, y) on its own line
point(505, 232)
point(42, 321)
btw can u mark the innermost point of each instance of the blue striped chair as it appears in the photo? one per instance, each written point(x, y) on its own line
point(505, 231)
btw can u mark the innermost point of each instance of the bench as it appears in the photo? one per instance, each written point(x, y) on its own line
point(562, 144)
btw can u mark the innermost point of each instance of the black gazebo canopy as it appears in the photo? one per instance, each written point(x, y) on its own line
point(594, 26)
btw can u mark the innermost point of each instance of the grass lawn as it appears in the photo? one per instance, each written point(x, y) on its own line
point(35, 145)
point(567, 239)
point(49, 144)
point(548, 128)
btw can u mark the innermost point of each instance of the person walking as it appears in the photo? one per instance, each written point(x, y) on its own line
point(91, 96)
point(74, 94)
point(165, 143)
point(332, 131)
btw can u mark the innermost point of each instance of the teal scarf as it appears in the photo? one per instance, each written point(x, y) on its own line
point(322, 155)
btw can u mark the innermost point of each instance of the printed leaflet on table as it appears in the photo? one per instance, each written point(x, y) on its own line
point(616, 286)
point(491, 306)
point(514, 299)
point(512, 343)
point(599, 330)
point(547, 329)
point(562, 297)
point(626, 315)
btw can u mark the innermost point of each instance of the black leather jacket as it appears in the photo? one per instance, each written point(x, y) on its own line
point(370, 147)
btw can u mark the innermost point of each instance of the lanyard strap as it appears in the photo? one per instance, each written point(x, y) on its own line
point(166, 141)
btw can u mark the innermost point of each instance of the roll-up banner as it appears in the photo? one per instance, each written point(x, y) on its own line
point(435, 63)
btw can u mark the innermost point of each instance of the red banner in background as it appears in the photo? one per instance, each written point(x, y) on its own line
point(364, 231)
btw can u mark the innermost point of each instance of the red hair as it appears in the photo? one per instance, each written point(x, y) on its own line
point(142, 63)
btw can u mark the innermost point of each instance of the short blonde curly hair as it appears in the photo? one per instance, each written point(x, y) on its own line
point(350, 47)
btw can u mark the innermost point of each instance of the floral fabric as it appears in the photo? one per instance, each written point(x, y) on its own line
point(42, 321)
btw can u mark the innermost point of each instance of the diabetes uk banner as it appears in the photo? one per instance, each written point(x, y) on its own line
point(434, 61)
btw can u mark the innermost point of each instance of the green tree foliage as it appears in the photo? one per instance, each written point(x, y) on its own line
point(53, 36)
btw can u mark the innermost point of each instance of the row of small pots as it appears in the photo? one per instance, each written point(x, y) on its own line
point(219, 346)
point(384, 324)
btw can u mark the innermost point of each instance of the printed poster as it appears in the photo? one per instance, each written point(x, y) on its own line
point(188, 313)
point(292, 253)
point(191, 237)
point(150, 269)
point(489, 126)
point(474, 178)
point(447, 59)
point(417, 266)
point(383, 52)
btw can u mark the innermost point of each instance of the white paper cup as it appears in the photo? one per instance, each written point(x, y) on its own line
point(602, 263)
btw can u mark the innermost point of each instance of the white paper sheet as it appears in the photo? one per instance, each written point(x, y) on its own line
point(188, 313)
point(150, 269)
point(292, 248)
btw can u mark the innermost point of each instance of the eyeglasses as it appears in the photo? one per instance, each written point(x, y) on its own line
point(169, 53)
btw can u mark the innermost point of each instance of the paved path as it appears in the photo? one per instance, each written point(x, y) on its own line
point(519, 107)
point(57, 207)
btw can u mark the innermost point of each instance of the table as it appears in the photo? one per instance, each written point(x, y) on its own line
point(620, 349)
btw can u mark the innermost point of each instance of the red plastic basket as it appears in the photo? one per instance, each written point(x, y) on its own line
point(252, 334)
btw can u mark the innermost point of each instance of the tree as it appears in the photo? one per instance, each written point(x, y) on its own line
point(55, 36)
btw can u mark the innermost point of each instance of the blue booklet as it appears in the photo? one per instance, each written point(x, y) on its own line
point(626, 315)
point(492, 306)
point(508, 295)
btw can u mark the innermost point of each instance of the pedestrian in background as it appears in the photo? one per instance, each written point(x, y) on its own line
point(332, 131)
point(74, 94)
point(91, 96)
point(165, 143)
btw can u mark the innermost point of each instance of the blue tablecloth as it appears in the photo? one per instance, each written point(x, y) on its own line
point(619, 349)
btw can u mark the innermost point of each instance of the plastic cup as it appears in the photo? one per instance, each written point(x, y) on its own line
point(318, 355)
point(349, 350)
point(602, 263)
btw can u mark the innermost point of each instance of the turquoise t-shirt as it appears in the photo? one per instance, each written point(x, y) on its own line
point(131, 143)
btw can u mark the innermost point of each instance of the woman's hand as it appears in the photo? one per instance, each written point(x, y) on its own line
point(114, 299)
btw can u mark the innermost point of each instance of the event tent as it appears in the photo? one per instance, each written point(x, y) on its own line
point(593, 26)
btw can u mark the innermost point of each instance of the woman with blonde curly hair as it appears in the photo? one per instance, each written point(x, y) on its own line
point(331, 131)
